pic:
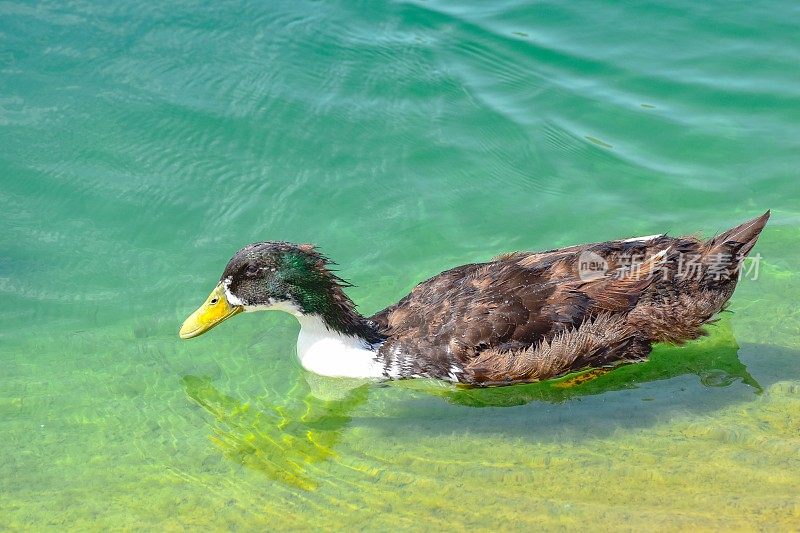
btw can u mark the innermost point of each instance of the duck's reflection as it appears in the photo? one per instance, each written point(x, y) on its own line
point(284, 440)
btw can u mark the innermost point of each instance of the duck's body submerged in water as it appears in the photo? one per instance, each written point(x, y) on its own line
point(521, 317)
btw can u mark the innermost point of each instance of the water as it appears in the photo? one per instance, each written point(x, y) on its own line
point(141, 146)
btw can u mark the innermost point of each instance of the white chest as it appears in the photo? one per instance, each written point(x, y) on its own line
point(329, 353)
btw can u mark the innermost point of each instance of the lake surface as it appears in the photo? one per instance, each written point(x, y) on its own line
point(140, 146)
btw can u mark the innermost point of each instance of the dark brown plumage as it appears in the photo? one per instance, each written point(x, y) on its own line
point(531, 316)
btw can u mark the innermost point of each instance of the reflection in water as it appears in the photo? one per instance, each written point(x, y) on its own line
point(282, 440)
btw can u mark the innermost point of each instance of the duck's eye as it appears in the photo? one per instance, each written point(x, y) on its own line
point(252, 270)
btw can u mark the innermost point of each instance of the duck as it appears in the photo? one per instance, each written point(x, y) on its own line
point(521, 317)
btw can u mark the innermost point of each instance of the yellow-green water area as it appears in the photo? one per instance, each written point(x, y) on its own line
point(126, 428)
point(140, 146)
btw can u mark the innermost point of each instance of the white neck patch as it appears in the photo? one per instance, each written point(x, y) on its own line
point(330, 353)
point(320, 350)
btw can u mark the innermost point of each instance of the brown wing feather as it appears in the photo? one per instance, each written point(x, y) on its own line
point(503, 306)
point(530, 316)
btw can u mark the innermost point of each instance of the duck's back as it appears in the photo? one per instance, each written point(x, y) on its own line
point(531, 316)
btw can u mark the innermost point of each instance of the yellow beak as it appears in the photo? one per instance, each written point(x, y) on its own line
point(213, 311)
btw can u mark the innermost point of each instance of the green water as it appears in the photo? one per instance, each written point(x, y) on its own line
point(141, 146)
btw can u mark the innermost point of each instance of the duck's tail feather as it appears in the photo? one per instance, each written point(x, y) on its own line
point(723, 255)
point(737, 241)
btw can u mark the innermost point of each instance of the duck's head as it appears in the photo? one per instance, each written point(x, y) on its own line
point(277, 275)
